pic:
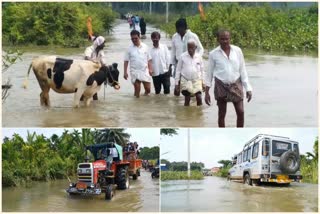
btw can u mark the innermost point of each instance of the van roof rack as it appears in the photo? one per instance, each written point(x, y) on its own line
point(261, 135)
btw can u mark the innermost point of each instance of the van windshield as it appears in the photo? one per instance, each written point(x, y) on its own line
point(279, 147)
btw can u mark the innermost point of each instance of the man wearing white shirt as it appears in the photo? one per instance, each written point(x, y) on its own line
point(140, 64)
point(160, 64)
point(227, 67)
point(179, 43)
point(189, 76)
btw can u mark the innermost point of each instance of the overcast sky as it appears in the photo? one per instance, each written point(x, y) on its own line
point(146, 137)
point(211, 145)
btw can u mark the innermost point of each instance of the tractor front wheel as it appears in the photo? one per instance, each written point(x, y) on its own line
point(134, 176)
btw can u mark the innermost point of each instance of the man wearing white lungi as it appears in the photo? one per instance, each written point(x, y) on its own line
point(190, 74)
point(140, 64)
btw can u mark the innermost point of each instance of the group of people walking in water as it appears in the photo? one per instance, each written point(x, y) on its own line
point(185, 64)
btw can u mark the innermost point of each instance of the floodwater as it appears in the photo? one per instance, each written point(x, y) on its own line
point(284, 95)
point(142, 196)
point(216, 194)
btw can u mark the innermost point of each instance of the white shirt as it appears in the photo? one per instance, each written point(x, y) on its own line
point(114, 152)
point(189, 68)
point(160, 59)
point(138, 58)
point(92, 55)
point(228, 70)
point(179, 45)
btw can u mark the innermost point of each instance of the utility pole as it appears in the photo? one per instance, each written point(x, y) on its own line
point(150, 8)
point(189, 174)
point(167, 12)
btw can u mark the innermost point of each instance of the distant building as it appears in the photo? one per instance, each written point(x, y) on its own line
point(215, 169)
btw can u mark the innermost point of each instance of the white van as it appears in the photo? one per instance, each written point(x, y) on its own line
point(267, 158)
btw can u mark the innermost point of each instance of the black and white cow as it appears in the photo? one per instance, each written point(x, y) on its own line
point(82, 77)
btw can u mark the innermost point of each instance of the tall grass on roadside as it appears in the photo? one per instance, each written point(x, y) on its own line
point(309, 171)
point(181, 175)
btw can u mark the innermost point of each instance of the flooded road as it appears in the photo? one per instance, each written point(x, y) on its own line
point(284, 95)
point(216, 194)
point(142, 196)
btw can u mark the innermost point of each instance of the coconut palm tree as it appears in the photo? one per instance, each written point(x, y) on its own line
point(118, 136)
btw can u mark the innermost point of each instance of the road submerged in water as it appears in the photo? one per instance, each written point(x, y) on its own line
point(142, 196)
point(284, 95)
point(215, 194)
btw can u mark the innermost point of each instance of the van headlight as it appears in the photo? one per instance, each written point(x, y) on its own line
point(88, 170)
point(79, 170)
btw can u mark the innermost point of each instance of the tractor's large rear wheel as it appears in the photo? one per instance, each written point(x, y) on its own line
point(109, 192)
point(123, 178)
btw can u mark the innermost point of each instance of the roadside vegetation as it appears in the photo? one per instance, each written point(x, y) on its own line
point(309, 165)
point(181, 175)
point(256, 27)
point(40, 158)
point(9, 58)
point(52, 23)
point(179, 170)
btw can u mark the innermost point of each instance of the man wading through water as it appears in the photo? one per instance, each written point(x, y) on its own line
point(179, 44)
point(140, 64)
point(227, 67)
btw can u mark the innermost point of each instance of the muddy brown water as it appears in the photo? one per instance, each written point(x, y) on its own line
point(142, 196)
point(216, 194)
point(284, 95)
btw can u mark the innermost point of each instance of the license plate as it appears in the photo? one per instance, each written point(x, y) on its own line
point(282, 177)
point(81, 185)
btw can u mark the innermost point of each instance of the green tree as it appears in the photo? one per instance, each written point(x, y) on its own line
point(147, 153)
point(225, 163)
point(118, 136)
point(169, 132)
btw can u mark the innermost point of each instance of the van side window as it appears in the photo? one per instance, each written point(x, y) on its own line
point(296, 148)
point(255, 151)
point(245, 156)
point(265, 148)
point(249, 154)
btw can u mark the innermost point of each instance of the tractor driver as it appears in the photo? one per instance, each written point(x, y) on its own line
point(109, 159)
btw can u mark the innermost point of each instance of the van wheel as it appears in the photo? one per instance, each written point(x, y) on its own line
point(256, 182)
point(247, 179)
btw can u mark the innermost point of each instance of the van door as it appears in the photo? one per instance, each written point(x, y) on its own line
point(237, 168)
point(265, 156)
point(255, 163)
point(278, 148)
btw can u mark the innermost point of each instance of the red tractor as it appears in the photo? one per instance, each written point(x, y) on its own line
point(97, 177)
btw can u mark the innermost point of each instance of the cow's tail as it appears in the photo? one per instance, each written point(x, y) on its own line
point(25, 83)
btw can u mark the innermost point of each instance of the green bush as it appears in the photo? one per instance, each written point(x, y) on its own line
point(178, 175)
point(261, 27)
point(51, 23)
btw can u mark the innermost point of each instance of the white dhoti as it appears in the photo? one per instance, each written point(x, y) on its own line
point(192, 86)
point(141, 76)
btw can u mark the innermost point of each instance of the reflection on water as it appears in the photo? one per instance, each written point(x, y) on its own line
point(284, 95)
point(216, 195)
point(142, 196)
